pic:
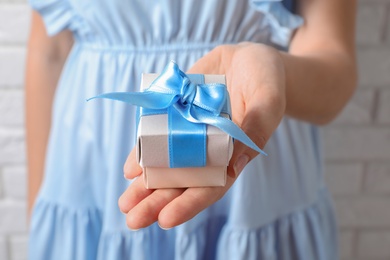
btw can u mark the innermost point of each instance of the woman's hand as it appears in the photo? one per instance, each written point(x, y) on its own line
point(319, 70)
point(255, 77)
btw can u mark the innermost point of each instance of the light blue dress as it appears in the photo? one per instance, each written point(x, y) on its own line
point(279, 207)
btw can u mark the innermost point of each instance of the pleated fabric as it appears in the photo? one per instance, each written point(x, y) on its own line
point(279, 208)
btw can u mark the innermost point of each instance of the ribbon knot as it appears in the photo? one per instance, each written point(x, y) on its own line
point(197, 103)
point(188, 93)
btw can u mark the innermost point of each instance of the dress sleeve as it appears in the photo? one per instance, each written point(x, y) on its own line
point(57, 15)
point(282, 22)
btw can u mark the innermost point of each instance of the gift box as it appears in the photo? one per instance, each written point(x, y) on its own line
point(184, 128)
point(153, 149)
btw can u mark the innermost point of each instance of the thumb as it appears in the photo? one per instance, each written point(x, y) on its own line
point(131, 168)
point(209, 63)
point(242, 154)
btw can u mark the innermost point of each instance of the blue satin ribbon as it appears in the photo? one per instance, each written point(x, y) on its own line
point(197, 103)
point(187, 142)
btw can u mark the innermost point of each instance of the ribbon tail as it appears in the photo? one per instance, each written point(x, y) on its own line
point(231, 129)
point(149, 100)
point(226, 125)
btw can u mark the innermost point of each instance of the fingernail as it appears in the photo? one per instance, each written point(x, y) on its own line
point(129, 179)
point(126, 170)
point(163, 227)
point(134, 229)
point(241, 162)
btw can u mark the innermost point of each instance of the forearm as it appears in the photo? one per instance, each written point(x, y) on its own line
point(43, 67)
point(318, 85)
point(321, 65)
point(39, 90)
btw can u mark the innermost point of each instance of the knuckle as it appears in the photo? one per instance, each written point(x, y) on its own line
point(259, 140)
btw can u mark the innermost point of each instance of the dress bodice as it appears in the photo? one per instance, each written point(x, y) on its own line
point(145, 24)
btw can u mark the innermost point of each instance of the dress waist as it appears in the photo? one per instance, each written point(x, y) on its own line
point(169, 47)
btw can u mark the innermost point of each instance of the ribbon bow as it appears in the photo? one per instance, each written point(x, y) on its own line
point(197, 103)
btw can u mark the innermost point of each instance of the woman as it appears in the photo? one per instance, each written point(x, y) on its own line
point(278, 208)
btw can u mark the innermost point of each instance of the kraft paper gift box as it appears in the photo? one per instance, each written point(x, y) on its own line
point(153, 150)
point(179, 138)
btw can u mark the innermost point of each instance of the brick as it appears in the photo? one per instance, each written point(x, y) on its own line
point(344, 178)
point(12, 61)
point(369, 258)
point(12, 146)
point(13, 217)
point(11, 108)
point(13, 1)
point(3, 248)
point(378, 178)
point(363, 212)
point(369, 23)
point(14, 23)
point(357, 143)
point(383, 111)
point(374, 67)
point(1, 184)
point(14, 182)
point(387, 25)
point(358, 110)
point(365, 258)
point(347, 239)
point(18, 247)
point(374, 243)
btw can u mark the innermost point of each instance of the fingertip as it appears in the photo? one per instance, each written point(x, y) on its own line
point(132, 222)
point(134, 194)
point(132, 173)
point(242, 155)
point(131, 168)
point(126, 171)
point(240, 163)
point(122, 204)
point(166, 220)
point(188, 205)
point(125, 202)
point(163, 227)
point(172, 215)
point(137, 218)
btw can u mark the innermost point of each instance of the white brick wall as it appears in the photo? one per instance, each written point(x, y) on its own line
point(3, 248)
point(346, 243)
point(383, 115)
point(18, 247)
point(357, 143)
point(14, 26)
point(14, 181)
point(374, 244)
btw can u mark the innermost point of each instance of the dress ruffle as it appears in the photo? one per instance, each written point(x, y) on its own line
point(73, 232)
point(59, 15)
point(305, 234)
point(281, 21)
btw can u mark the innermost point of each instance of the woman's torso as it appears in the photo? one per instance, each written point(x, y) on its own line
point(116, 41)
